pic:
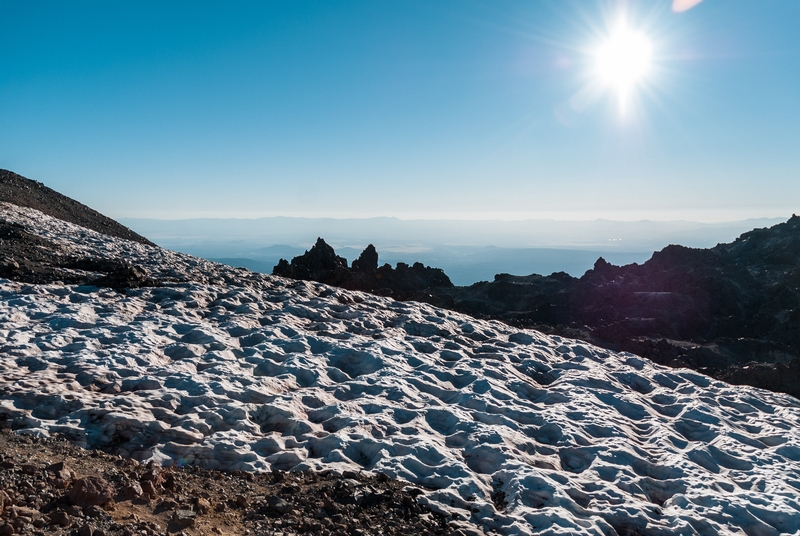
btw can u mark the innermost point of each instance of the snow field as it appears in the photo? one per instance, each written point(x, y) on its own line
point(512, 430)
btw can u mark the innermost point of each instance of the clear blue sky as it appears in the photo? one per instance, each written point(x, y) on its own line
point(435, 109)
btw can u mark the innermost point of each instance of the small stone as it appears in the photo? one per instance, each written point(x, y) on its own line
point(95, 512)
point(30, 513)
point(241, 501)
point(149, 488)
point(61, 471)
point(153, 475)
point(60, 518)
point(6, 530)
point(29, 469)
point(184, 518)
point(279, 505)
point(170, 483)
point(133, 491)
point(91, 491)
point(85, 530)
point(203, 506)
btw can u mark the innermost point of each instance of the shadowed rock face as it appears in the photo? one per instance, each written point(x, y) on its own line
point(320, 263)
point(405, 282)
point(719, 310)
point(368, 260)
point(27, 193)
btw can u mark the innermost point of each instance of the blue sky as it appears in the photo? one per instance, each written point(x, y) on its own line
point(414, 109)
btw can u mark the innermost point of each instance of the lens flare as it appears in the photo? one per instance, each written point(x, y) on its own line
point(623, 61)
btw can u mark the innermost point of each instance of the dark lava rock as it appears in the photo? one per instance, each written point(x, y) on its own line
point(293, 503)
point(27, 193)
point(321, 264)
point(60, 518)
point(279, 505)
point(368, 260)
point(125, 276)
point(183, 518)
point(717, 310)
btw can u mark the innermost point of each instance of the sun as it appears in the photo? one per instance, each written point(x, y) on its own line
point(623, 61)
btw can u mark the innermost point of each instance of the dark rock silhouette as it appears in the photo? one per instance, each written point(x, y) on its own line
point(368, 260)
point(721, 311)
point(321, 264)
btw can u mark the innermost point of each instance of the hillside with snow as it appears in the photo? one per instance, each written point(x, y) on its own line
point(511, 431)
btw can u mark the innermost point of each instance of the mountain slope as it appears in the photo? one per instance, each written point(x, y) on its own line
point(27, 193)
point(512, 430)
point(732, 311)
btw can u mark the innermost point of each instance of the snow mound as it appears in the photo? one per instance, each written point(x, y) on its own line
point(512, 431)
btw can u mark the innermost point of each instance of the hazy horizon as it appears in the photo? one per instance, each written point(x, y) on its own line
point(468, 251)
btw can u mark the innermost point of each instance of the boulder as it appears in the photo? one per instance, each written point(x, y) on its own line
point(91, 491)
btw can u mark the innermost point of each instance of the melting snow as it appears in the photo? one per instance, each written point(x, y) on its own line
point(512, 430)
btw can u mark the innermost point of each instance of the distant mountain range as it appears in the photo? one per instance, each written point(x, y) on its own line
point(469, 251)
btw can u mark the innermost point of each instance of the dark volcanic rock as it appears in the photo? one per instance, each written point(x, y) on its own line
point(368, 260)
point(29, 258)
point(198, 501)
point(91, 491)
point(27, 193)
point(720, 310)
point(321, 263)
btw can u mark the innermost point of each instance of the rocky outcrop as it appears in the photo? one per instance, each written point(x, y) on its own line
point(407, 282)
point(368, 260)
point(32, 259)
point(720, 310)
point(320, 263)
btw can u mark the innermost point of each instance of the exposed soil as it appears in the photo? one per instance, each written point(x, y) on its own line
point(27, 193)
point(49, 486)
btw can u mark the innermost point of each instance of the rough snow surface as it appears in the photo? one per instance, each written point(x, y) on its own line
point(514, 431)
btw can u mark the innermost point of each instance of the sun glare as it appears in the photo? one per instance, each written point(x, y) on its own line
point(623, 61)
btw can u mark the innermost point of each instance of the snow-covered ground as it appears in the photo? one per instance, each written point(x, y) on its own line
point(234, 370)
